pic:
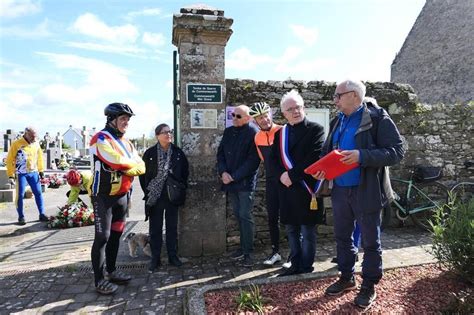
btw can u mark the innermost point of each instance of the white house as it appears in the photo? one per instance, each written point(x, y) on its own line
point(78, 139)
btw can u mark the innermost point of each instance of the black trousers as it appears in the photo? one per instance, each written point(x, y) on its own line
point(163, 208)
point(273, 211)
point(109, 215)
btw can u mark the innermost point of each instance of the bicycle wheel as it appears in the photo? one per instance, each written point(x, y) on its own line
point(462, 192)
point(438, 197)
point(385, 216)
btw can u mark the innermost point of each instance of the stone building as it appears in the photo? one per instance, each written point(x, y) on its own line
point(436, 57)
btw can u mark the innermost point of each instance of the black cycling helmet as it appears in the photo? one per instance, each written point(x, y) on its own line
point(114, 110)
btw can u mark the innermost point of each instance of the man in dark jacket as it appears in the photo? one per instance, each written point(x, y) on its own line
point(296, 146)
point(237, 164)
point(366, 135)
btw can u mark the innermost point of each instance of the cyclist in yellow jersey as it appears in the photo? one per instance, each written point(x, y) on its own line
point(25, 166)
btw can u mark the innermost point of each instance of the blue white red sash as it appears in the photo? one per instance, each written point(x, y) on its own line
point(286, 159)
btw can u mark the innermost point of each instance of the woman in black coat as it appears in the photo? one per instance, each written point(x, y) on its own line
point(162, 160)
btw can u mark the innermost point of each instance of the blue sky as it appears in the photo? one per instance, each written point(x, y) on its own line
point(63, 61)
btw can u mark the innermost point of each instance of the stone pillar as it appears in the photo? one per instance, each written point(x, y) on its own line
point(201, 34)
point(85, 138)
point(47, 141)
point(7, 140)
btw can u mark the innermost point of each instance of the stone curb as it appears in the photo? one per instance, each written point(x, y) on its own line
point(194, 303)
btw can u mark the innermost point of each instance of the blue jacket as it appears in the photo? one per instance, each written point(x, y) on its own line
point(238, 156)
point(380, 145)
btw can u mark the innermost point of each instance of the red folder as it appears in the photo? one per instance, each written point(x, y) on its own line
point(331, 164)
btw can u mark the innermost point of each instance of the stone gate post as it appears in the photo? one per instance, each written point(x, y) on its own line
point(201, 34)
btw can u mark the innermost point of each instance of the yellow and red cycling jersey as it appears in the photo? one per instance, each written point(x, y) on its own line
point(115, 162)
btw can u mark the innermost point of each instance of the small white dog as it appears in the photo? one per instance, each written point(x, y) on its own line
point(138, 240)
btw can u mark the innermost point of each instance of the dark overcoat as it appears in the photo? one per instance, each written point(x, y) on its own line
point(179, 166)
point(304, 148)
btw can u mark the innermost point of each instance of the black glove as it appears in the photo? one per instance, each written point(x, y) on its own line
point(41, 174)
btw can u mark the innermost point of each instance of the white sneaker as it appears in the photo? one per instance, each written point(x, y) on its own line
point(272, 259)
point(287, 265)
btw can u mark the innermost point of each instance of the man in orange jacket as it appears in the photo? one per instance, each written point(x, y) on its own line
point(260, 112)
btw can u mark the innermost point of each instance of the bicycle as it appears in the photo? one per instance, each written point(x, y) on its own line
point(462, 192)
point(418, 197)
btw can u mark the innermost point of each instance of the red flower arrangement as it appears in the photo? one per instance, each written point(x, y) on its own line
point(74, 215)
point(53, 181)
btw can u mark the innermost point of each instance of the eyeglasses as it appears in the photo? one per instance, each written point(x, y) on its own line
point(236, 116)
point(294, 109)
point(167, 132)
point(337, 96)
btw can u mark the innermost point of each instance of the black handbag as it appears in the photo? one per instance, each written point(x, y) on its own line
point(176, 190)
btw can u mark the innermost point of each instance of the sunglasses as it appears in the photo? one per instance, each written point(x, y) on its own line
point(236, 116)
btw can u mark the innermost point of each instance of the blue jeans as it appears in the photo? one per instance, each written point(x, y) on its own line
point(346, 213)
point(302, 241)
point(242, 203)
point(33, 180)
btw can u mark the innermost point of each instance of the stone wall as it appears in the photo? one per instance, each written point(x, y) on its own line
point(436, 57)
point(436, 135)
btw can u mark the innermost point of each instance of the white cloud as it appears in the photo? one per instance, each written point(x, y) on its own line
point(8, 84)
point(38, 31)
point(128, 50)
point(289, 54)
point(153, 39)
point(306, 69)
point(59, 102)
point(376, 68)
point(19, 99)
point(144, 12)
point(308, 35)
point(244, 59)
point(90, 25)
point(16, 8)
point(99, 79)
point(148, 114)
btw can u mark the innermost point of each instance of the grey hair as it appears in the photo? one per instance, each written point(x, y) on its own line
point(292, 95)
point(356, 86)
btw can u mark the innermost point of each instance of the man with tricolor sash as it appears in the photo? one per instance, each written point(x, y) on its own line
point(296, 146)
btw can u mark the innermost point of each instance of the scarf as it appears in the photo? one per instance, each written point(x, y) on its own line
point(155, 187)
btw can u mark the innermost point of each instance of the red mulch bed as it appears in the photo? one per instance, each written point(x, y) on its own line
point(411, 290)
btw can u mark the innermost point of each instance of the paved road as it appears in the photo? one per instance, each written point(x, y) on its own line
point(44, 270)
